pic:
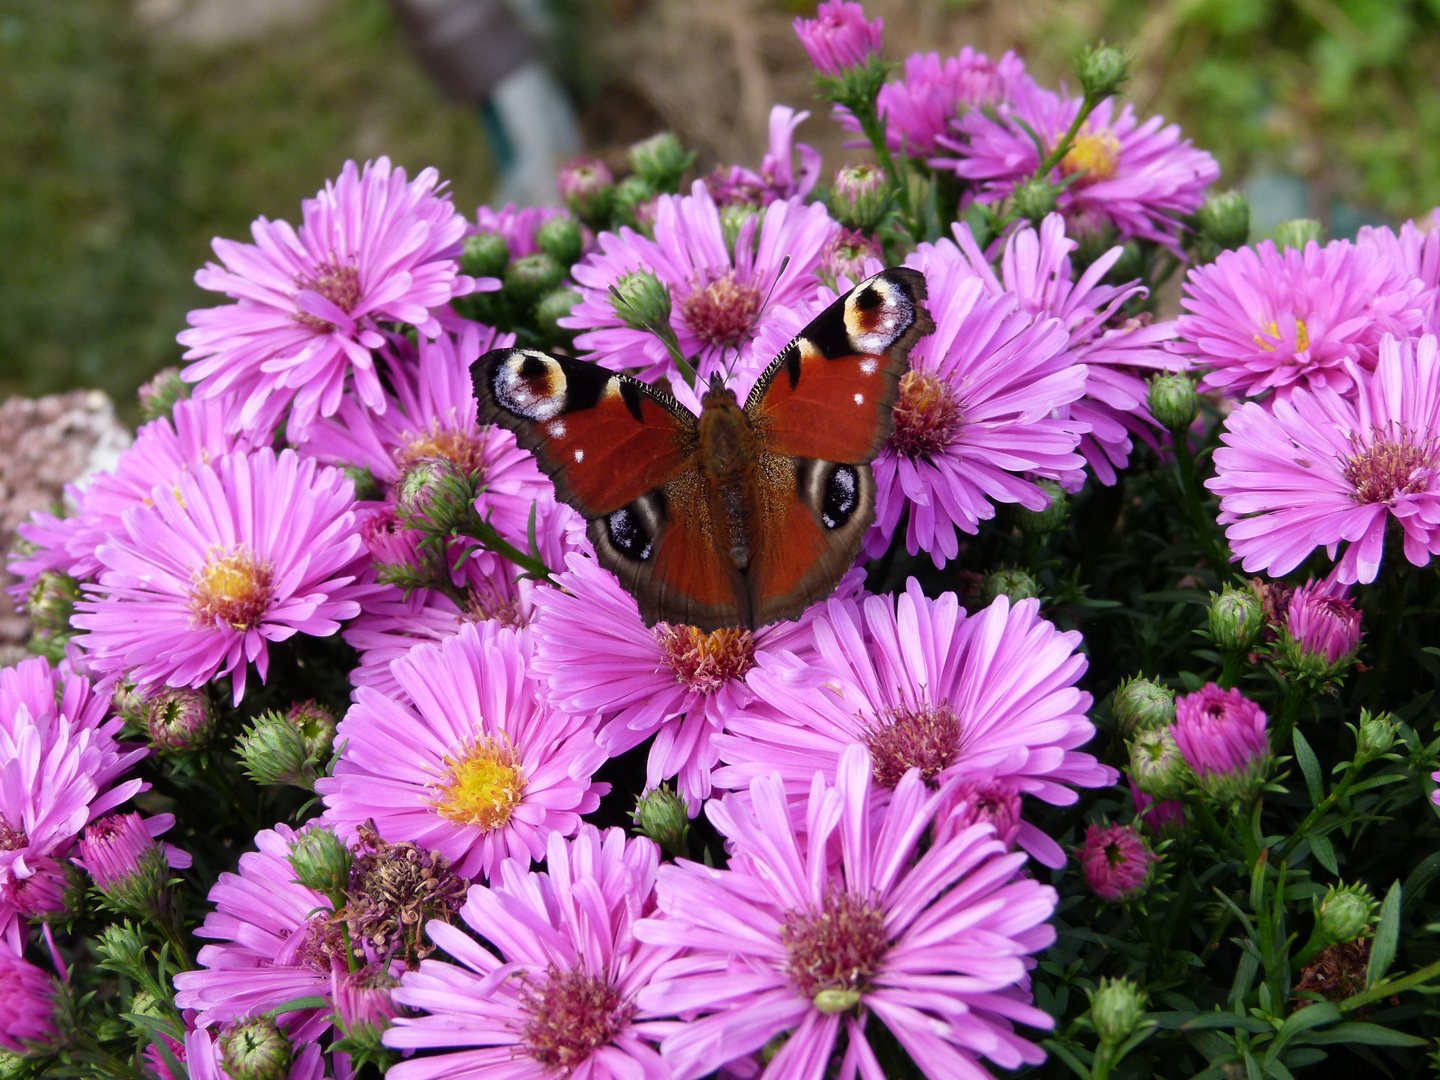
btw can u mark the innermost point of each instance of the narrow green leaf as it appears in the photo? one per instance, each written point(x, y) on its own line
point(1311, 1016)
point(1378, 781)
point(1365, 1034)
point(1225, 1020)
point(1324, 852)
point(1310, 766)
point(1076, 1066)
point(1387, 936)
point(1422, 876)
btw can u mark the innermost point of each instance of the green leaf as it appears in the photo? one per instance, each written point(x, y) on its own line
point(1225, 1020)
point(1065, 1055)
point(1311, 1016)
point(1324, 852)
point(1310, 766)
point(1365, 1034)
point(1387, 936)
point(1422, 876)
point(1378, 781)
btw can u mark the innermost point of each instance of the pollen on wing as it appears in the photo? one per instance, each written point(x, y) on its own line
point(531, 385)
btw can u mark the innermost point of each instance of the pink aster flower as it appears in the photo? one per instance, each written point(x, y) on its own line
point(1323, 621)
point(274, 942)
point(518, 225)
point(1035, 268)
point(776, 178)
point(373, 247)
point(765, 942)
point(30, 1008)
point(1318, 469)
point(1139, 178)
point(839, 37)
point(991, 698)
point(1414, 249)
point(1259, 319)
point(559, 1000)
point(676, 683)
point(1221, 734)
point(718, 292)
point(44, 545)
point(251, 549)
point(124, 859)
point(478, 769)
point(1117, 862)
point(1161, 818)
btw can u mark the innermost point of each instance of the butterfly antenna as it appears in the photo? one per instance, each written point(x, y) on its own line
point(784, 263)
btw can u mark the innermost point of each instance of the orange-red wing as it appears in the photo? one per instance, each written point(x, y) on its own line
point(604, 439)
point(829, 393)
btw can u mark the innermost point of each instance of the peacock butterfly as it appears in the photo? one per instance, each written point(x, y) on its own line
point(735, 517)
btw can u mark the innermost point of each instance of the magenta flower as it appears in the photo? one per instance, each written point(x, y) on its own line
point(1415, 250)
point(1323, 622)
point(249, 549)
point(1140, 178)
point(478, 769)
point(776, 178)
point(1117, 862)
point(275, 942)
point(118, 850)
point(373, 247)
point(766, 937)
point(518, 225)
point(1318, 469)
point(559, 1000)
point(718, 292)
point(45, 545)
point(1161, 818)
point(29, 1005)
point(990, 698)
point(364, 998)
point(1259, 319)
point(1221, 734)
point(839, 37)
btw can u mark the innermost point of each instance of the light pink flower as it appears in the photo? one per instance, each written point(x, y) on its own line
point(1414, 249)
point(839, 37)
point(776, 178)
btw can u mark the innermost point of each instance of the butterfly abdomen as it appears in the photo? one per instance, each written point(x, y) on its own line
point(727, 455)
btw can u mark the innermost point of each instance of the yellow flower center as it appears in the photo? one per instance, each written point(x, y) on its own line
point(233, 589)
point(1302, 336)
point(484, 785)
point(1095, 153)
point(463, 449)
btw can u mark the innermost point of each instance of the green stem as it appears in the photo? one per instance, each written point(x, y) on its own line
point(1232, 669)
point(1057, 154)
point(1292, 701)
point(1388, 987)
point(1211, 828)
point(489, 538)
point(1104, 1061)
point(1336, 794)
point(1195, 506)
point(874, 131)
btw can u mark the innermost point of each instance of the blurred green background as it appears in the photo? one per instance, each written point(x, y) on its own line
point(133, 131)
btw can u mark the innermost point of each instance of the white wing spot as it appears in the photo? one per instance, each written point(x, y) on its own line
point(868, 367)
point(859, 399)
point(579, 456)
point(556, 429)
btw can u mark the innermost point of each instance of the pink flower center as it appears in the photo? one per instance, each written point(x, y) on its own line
point(11, 838)
point(926, 415)
point(232, 590)
point(324, 945)
point(706, 662)
point(463, 449)
point(488, 601)
point(484, 786)
point(336, 283)
point(1384, 471)
point(838, 948)
point(569, 1016)
point(926, 738)
point(1095, 153)
point(722, 313)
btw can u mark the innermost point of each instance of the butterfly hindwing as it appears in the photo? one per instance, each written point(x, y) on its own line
point(830, 392)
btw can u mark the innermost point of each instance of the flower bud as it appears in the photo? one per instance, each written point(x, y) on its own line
point(321, 861)
point(1117, 862)
point(662, 814)
point(363, 1005)
point(179, 719)
point(1164, 819)
point(1375, 736)
point(643, 303)
point(256, 1049)
point(485, 254)
point(1345, 914)
point(1116, 1006)
point(54, 891)
point(159, 396)
point(1035, 198)
point(527, 279)
point(1103, 71)
point(1297, 233)
point(552, 308)
point(435, 497)
point(860, 197)
point(33, 1014)
point(1321, 632)
point(732, 219)
point(1157, 766)
point(839, 38)
point(1016, 584)
point(993, 802)
point(1049, 520)
point(660, 161)
point(1222, 735)
point(52, 601)
point(272, 751)
point(1224, 219)
point(316, 724)
point(630, 194)
point(1236, 619)
point(126, 864)
point(844, 255)
point(1139, 704)
point(588, 188)
point(561, 239)
point(1173, 401)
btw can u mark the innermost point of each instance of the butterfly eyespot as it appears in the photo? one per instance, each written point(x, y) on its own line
point(530, 385)
point(632, 529)
point(842, 495)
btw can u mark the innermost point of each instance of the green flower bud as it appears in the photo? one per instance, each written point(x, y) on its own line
point(485, 254)
point(1141, 705)
point(1236, 619)
point(120, 947)
point(588, 188)
point(1116, 1006)
point(561, 239)
point(1298, 232)
point(179, 719)
point(256, 1049)
point(322, 862)
point(860, 197)
point(629, 194)
point(1157, 766)
point(662, 815)
point(52, 601)
point(435, 497)
point(1049, 520)
point(159, 395)
point(272, 751)
point(317, 727)
point(1345, 913)
point(367, 488)
point(1016, 584)
point(528, 279)
point(660, 161)
point(1103, 70)
point(732, 220)
point(1224, 219)
point(554, 307)
point(1173, 401)
point(15, 1067)
point(1035, 198)
point(643, 303)
point(1376, 735)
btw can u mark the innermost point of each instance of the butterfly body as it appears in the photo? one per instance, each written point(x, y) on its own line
point(742, 515)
